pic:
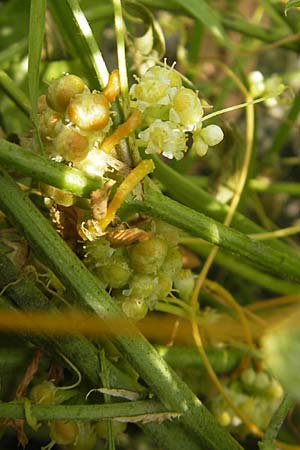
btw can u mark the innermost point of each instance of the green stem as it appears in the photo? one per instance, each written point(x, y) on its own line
point(249, 29)
point(223, 360)
point(268, 441)
point(42, 169)
point(87, 292)
point(157, 205)
point(238, 267)
point(263, 185)
point(190, 194)
point(15, 410)
point(284, 130)
point(82, 353)
point(15, 93)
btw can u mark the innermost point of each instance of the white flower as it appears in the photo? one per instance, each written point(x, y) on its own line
point(164, 137)
point(256, 83)
point(206, 137)
point(212, 135)
point(186, 108)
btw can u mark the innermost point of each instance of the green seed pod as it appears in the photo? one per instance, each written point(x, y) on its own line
point(71, 145)
point(142, 285)
point(172, 263)
point(280, 347)
point(262, 382)
point(102, 428)
point(86, 437)
point(49, 120)
point(148, 256)
point(89, 112)
point(248, 377)
point(169, 232)
point(63, 432)
point(60, 197)
point(62, 90)
point(135, 308)
point(184, 283)
point(116, 272)
point(165, 283)
point(43, 393)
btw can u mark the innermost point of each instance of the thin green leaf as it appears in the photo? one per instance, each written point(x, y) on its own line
point(88, 293)
point(14, 92)
point(152, 40)
point(40, 168)
point(35, 45)
point(200, 10)
point(291, 4)
point(78, 35)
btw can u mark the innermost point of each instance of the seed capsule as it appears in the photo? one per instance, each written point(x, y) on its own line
point(62, 90)
point(135, 308)
point(63, 432)
point(89, 112)
point(71, 145)
point(148, 256)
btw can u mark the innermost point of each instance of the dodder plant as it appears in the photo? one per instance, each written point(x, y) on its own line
point(88, 240)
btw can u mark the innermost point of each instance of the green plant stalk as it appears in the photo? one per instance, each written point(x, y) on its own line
point(14, 93)
point(35, 44)
point(255, 31)
point(187, 192)
point(13, 51)
point(283, 132)
point(268, 441)
point(72, 22)
point(84, 355)
point(88, 293)
point(223, 360)
point(15, 410)
point(157, 205)
point(241, 269)
point(20, 159)
point(261, 185)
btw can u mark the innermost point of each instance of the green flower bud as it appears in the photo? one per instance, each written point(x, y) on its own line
point(89, 112)
point(165, 283)
point(184, 283)
point(43, 393)
point(116, 272)
point(142, 285)
point(248, 377)
point(199, 146)
point(172, 263)
point(61, 91)
point(63, 432)
point(86, 437)
point(148, 256)
point(135, 308)
point(186, 109)
point(256, 83)
point(71, 145)
point(102, 428)
point(212, 135)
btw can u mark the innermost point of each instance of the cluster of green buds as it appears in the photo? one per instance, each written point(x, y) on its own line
point(140, 274)
point(74, 121)
point(71, 434)
point(170, 111)
point(256, 394)
point(270, 88)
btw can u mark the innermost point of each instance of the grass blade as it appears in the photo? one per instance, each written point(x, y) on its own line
point(78, 35)
point(35, 44)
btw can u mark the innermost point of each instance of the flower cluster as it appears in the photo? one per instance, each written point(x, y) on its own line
point(140, 274)
point(256, 394)
point(74, 121)
point(271, 87)
point(170, 110)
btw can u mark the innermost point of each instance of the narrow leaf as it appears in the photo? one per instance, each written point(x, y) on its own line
point(200, 10)
point(35, 44)
point(77, 32)
point(291, 4)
